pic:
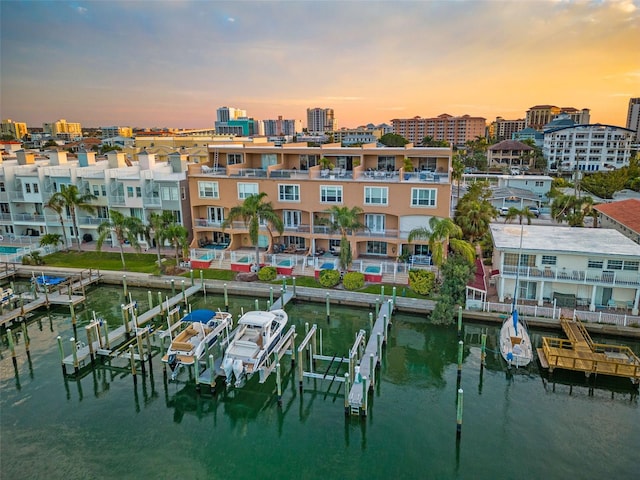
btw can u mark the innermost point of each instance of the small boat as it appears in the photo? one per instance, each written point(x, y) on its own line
point(515, 344)
point(6, 296)
point(199, 330)
point(48, 280)
point(258, 333)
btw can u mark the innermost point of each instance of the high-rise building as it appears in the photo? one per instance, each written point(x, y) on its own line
point(110, 132)
point(16, 129)
point(454, 130)
point(320, 120)
point(502, 129)
point(281, 127)
point(539, 115)
point(224, 114)
point(633, 117)
point(63, 129)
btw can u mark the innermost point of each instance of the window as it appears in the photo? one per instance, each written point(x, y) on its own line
point(138, 192)
point(423, 197)
point(291, 218)
point(216, 215)
point(96, 190)
point(386, 163)
point(525, 260)
point(308, 161)
point(129, 192)
point(247, 189)
point(629, 265)
point(169, 193)
point(208, 190)
point(234, 158)
point(375, 223)
point(103, 190)
point(377, 248)
point(331, 193)
point(35, 188)
point(289, 193)
point(614, 264)
point(27, 188)
point(2, 189)
point(376, 195)
point(595, 263)
point(548, 260)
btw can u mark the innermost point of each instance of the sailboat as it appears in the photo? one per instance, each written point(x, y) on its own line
point(515, 343)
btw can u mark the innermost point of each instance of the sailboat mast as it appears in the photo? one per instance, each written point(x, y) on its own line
point(515, 293)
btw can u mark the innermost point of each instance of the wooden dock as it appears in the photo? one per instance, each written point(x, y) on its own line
point(120, 335)
point(357, 394)
point(7, 270)
point(64, 294)
point(579, 353)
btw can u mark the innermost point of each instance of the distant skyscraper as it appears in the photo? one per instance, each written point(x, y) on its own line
point(16, 129)
point(224, 114)
point(320, 120)
point(633, 117)
point(538, 116)
point(63, 129)
point(281, 126)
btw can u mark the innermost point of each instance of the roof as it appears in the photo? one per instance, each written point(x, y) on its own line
point(478, 282)
point(625, 212)
point(513, 192)
point(568, 240)
point(510, 145)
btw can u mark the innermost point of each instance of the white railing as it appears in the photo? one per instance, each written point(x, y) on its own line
point(574, 276)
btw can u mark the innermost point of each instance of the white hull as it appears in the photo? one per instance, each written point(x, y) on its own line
point(258, 332)
point(515, 344)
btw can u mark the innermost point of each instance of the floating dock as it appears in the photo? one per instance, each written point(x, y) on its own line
point(579, 353)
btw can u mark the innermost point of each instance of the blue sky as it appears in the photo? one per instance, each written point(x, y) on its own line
point(172, 63)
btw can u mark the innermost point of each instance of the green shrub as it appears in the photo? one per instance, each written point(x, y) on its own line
point(329, 278)
point(266, 274)
point(422, 281)
point(353, 280)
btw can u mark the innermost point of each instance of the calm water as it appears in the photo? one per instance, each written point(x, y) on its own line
point(514, 427)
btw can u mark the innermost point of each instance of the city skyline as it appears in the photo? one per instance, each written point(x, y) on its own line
point(173, 65)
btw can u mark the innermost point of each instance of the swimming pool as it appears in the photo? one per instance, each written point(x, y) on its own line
point(327, 266)
point(285, 263)
point(8, 249)
point(207, 256)
point(372, 269)
point(243, 260)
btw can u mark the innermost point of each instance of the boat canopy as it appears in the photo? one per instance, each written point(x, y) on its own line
point(258, 318)
point(202, 315)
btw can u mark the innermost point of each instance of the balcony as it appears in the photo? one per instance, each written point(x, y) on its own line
point(27, 218)
point(588, 277)
point(116, 200)
point(387, 233)
point(203, 223)
point(151, 201)
point(83, 221)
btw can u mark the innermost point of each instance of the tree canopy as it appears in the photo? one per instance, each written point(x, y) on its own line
point(393, 140)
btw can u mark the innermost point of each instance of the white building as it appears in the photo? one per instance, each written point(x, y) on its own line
point(352, 136)
point(538, 187)
point(591, 267)
point(587, 148)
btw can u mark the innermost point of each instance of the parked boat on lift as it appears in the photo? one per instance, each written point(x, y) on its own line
point(515, 344)
point(199, 331)
point(258, 333)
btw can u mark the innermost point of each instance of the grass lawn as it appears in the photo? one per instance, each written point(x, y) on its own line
point(135, 262)
point(213, 274)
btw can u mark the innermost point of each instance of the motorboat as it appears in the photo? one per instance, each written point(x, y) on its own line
point(515, 344)
point(198, 331)
point(257, 334)
point(6, 296)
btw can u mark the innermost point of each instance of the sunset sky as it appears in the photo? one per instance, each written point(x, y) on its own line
point(173, 63)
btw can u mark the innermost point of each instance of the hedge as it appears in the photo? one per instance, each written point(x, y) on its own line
point(266, 274)
point(353, 280)
point(422, 281)
point(329, 278)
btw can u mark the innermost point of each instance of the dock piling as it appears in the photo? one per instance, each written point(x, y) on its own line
point(460, 353)
point(377, 306)
point(393, 297)
point(226, 299)
point(379, 345)
point(483, 350)
point(370, 322)
point(150, 299)
point(271, 295)
point(12, 347)
point(347, 389)
point(257, 302)
point(74, 352)
point(328, 306)
point(381, 294)
point(365, 396)
point(212, 378)
point(279, 384)
point(124, 286)
point(92, 356)
point(61, 351)
point(371, 371)
point(173, 287)
point(25, 337)
point(132, 360)
point(293, 282)
point(459, 415)
point(193, 282)
point(459, 321)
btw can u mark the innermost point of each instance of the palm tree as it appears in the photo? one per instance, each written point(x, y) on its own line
point(56, 204)
point(474, 218)
point(70, 197)
point(253, 211)
point(519, 213)
point(457, 171)
point(50, 239)
point(442, 234)
point(177, 236)
point(345, 220)
point(125, 229)
point(158, 224)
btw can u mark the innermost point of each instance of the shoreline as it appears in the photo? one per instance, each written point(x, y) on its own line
point(317, 295)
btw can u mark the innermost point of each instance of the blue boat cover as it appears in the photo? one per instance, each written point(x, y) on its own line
point(202, 315)
point(48, 280)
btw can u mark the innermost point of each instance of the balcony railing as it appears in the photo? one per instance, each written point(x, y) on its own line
point(387, 233)
point(574, 276)
point(26, 217)
point(203, 222)
point(151, 201)
point(116, 199)
point(91, 220)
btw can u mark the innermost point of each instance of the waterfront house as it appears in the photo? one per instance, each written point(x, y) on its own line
point(594, 268)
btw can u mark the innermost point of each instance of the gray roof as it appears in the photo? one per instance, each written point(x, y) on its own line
point(567, 240)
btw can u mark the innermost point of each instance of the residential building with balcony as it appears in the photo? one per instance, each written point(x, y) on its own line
point(63, 129)
point(302, 188)
point(352, 136)
point(115, 131)
point(29, 181)
point(598, 268)
point(320, 120)
point(502, 129)
point(281, 127)
point(587, 148)
point(455, 130)
point(513, 190)
point(633, 118)
point(510, 154)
